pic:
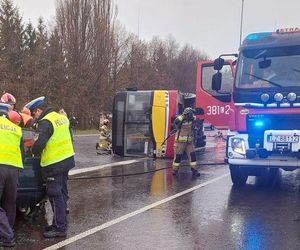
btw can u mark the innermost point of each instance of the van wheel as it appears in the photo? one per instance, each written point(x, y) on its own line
point(238, 175)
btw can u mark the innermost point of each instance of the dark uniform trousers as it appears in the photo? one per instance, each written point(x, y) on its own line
point(57, 192)
point(8, 195)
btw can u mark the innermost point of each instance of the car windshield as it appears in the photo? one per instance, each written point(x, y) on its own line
point(269, 68)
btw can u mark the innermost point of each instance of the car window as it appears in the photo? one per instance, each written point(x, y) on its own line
point(28, 136)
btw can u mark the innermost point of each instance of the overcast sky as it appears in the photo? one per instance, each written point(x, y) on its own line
point(212, 26)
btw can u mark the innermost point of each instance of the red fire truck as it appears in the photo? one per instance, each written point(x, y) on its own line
point(257, 96)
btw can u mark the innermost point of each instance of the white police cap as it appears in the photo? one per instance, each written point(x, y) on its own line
point(4, 108)
point(35, 103)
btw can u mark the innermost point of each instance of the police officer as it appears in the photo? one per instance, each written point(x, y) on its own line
point(11, 161)
point(184, 140)
point(55, 147)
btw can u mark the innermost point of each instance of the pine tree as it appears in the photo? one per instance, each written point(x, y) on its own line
point(57, 90)
point(28, 67)
point(29, 38)
point(11, 46)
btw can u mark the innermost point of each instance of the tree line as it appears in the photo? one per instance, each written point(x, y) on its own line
point(87, 56)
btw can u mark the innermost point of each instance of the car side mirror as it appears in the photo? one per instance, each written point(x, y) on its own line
point(219, 63)
point(217, 81)
point(266, 63)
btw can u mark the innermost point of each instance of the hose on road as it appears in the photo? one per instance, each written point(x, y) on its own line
point(133, 174)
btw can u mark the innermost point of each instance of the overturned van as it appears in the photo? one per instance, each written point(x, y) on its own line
point(142, 123)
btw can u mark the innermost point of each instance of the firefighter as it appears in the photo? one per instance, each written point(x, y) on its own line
point(104, 137)
point(13, 115)
point(55, 147)
point(23, 118)
point(184, 140)
point(62, 112)
point(9, 99)
point(11, 145)
point(27, 119)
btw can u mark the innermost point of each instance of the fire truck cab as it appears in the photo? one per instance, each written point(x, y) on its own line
point(257, 97)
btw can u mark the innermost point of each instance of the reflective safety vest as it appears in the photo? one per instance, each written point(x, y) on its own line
point(185, 130)
point(59, 146)
point(10, 140)
point(104, 132)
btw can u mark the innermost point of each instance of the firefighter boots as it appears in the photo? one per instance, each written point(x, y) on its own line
point(195, 172)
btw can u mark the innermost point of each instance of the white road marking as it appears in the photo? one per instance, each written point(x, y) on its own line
point(129, 215)
point(85, 170)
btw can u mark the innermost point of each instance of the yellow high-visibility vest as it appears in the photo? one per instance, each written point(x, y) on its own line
point(10, 140)
point(59, 146)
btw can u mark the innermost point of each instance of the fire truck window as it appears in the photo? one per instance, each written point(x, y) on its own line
point(227, 79)
point(269, 68)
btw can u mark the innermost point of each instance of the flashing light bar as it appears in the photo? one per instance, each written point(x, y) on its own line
point(257, 36)
point(259, 124)
point(288, 30)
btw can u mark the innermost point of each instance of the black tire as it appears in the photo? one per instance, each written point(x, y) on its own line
point(269, 176)
point(238, 175)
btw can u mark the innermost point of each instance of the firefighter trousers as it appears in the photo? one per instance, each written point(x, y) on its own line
point(179, 149)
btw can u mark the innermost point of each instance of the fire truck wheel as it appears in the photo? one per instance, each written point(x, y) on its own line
point(239, 175)
point(269, 177)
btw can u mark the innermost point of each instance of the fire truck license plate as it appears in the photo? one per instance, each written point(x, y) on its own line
point(283, 138)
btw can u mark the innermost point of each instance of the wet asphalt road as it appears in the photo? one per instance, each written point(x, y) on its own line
point(213, 216)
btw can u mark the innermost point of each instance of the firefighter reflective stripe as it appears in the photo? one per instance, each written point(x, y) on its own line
point(103, 132)
point(10, 140)
point(185, 132)
point(175, 165)
point(180, 118)
point(184, 138)
point(193, 164)
point(59, 147)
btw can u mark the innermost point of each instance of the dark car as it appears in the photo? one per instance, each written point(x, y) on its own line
point(31, 188)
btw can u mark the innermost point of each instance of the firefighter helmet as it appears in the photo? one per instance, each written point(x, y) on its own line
point(105, 122)
point(188, 114)
point(8, 98)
